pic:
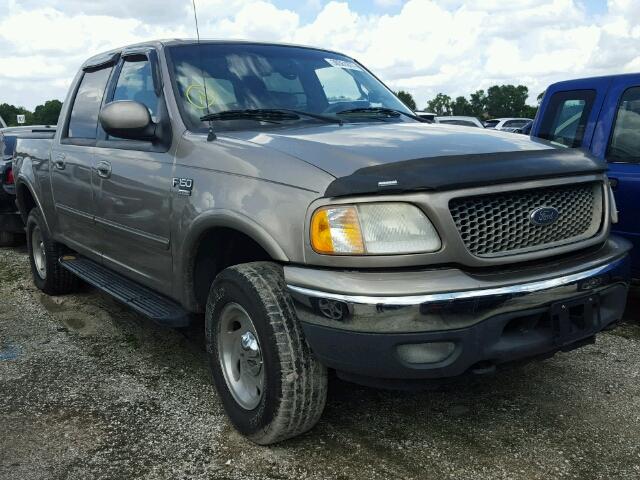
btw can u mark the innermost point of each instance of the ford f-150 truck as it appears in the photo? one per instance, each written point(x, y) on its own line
point(602, 116)
point(316, 222)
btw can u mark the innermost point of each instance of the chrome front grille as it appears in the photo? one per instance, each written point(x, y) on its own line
point(500, 224)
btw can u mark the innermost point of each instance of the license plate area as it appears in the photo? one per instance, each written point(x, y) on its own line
point(575, 318)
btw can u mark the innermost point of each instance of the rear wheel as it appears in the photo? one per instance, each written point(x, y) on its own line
point(44, 253)
point(271, 385)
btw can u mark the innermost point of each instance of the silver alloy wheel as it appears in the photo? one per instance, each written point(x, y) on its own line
point(240, 356)
point(39, 253)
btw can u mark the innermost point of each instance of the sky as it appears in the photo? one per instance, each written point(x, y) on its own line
point(422, 46)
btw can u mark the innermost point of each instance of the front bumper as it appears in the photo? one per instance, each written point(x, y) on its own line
point(450, 321)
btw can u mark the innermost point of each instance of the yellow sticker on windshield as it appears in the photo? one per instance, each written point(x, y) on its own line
point(196, 96)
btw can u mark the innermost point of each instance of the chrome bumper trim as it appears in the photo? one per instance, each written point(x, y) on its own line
point(462, 295)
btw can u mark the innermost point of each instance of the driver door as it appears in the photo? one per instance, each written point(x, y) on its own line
point(133, 182)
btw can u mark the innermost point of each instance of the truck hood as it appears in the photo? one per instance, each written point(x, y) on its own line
point(368, 158)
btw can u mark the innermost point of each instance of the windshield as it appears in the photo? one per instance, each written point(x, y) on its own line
point(248, 76)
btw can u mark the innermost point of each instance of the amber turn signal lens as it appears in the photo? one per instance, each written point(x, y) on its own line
point(336, 230)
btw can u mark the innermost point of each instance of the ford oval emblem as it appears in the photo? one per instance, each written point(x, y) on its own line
point(544, 216)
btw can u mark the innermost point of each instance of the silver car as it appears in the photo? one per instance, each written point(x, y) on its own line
point(459, 120)
point(507, 124)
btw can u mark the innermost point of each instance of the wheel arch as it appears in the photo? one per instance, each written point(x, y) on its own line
point(223, 238)
point(27, 200)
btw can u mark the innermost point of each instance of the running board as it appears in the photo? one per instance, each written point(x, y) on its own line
point(157, 307)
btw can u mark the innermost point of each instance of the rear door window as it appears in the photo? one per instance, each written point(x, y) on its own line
point(566, 117)
point(83, 122)
point(624, 146)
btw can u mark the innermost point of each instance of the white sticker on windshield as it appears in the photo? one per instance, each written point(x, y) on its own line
point(343, 64)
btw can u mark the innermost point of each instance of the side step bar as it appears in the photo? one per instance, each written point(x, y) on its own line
point(157, 307)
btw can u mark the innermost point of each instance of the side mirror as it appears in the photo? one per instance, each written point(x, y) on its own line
point(127, 119)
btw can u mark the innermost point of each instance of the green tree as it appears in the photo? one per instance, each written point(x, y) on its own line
point(441, 105)
point(507, 101)
point(461, 106)
point(478, 103)
point(407, 99)
point(529, 111)
point(48, 113)
point(10, 112)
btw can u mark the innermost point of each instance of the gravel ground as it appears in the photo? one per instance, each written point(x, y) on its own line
point(90, 390)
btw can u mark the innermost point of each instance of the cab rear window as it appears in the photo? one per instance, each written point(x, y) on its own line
point(566, 117)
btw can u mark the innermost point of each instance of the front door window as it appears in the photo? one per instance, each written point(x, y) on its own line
point(625, 139)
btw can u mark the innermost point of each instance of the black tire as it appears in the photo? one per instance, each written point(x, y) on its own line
point(10, 239)
point(57, 280)
point(295, 383)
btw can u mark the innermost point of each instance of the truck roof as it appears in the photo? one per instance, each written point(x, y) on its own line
point(595, 79)
point(100, 57)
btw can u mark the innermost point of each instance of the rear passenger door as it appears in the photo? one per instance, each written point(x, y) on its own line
point(72, 164)
point(133, 182)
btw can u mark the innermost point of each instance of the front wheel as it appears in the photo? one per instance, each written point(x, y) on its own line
point(271, 385)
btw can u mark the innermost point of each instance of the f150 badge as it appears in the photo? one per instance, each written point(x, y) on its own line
point(184, 186)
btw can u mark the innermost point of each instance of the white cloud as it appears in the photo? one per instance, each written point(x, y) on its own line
point(449, 46)
point(387, 3)
point(258, 19)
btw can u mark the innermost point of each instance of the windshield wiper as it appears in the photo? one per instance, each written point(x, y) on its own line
point(271, 115)
point(318, 116)
point(387, 112)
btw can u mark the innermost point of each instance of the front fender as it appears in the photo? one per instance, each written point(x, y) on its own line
point(209, 220)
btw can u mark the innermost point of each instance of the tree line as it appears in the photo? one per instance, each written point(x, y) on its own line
point(45, 114)
point(497, 101)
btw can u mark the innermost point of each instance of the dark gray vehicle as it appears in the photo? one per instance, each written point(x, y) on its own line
point(288, 195)
point(11, 224)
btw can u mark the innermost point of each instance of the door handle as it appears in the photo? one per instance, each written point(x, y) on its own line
point(59, 162)
point(104, 169)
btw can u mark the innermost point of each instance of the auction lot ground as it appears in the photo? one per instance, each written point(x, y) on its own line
point(91, 390)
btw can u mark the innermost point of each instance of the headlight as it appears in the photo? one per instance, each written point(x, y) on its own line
point(372, 229)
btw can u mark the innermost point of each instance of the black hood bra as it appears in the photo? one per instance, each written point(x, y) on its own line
point(465, 171)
